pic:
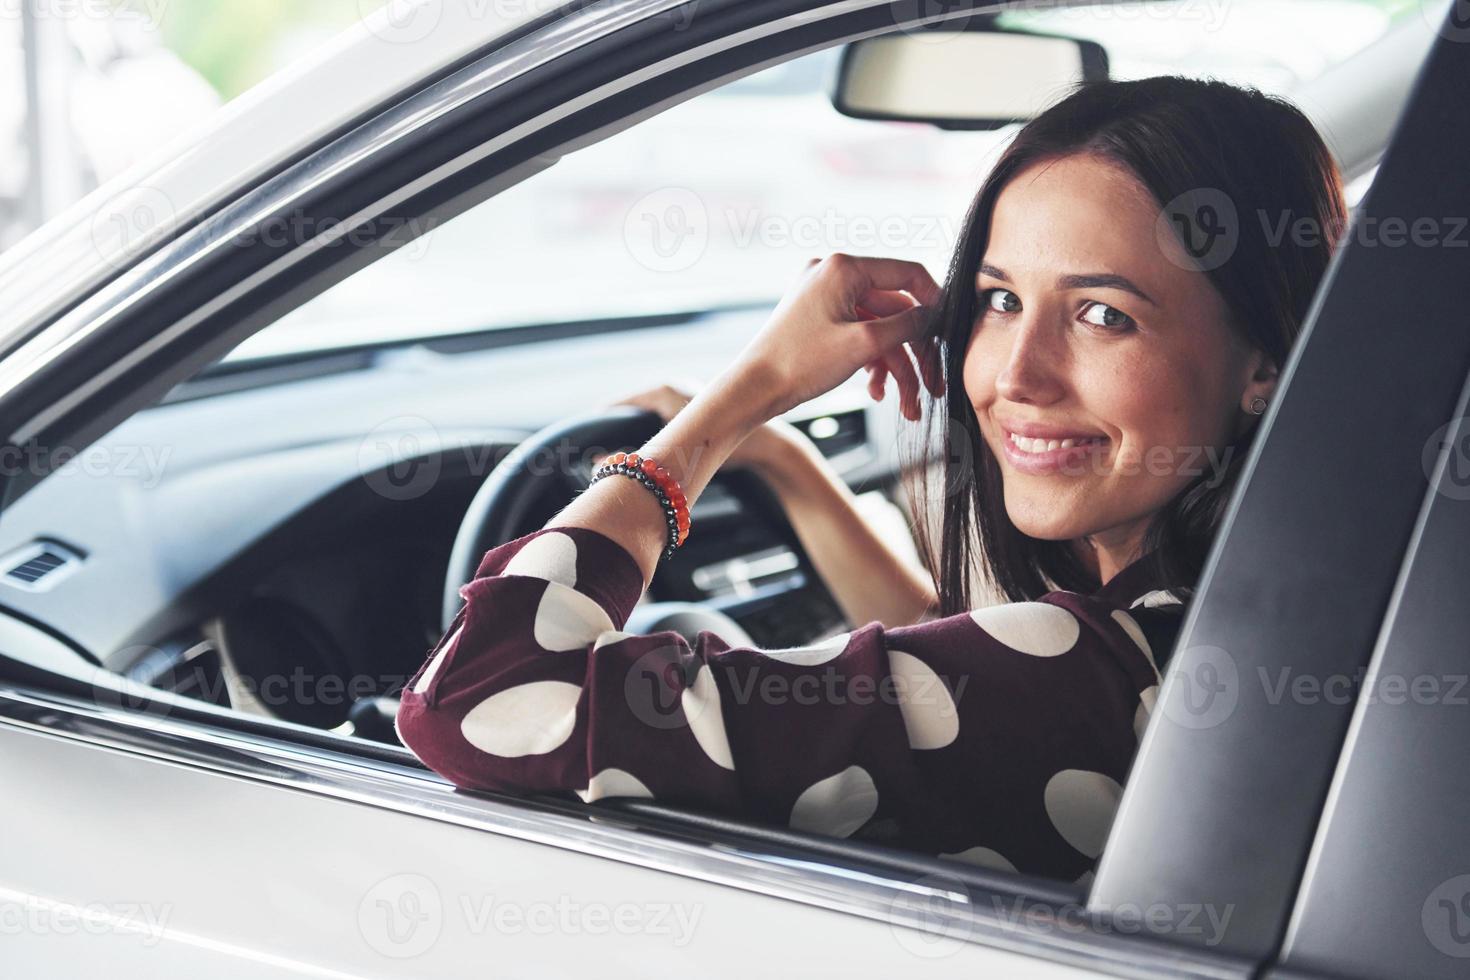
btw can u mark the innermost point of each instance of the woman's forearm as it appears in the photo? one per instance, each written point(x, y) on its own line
point(692, 447)
point(869, 580)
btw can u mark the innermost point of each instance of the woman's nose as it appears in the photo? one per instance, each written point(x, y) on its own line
point(1035, 364)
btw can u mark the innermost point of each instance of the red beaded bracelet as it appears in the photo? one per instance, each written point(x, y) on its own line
point(647, 471)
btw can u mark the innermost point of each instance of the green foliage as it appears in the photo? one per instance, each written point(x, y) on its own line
point(236, 43)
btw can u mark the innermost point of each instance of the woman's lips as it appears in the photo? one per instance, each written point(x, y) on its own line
point(1036, 455)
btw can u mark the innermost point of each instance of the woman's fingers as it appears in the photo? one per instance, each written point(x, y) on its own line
point(894, 274)
point(877, 379)
point(878, 303)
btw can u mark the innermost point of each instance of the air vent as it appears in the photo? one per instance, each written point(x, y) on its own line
point(837, 433)
point(40, 566)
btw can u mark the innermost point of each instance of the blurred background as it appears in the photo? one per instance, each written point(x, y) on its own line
point(92, 86)
point(686, 211)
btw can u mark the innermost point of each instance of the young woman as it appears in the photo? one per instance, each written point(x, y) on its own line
point(1111, 330)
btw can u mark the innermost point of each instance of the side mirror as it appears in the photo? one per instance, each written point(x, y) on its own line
point(975, 79)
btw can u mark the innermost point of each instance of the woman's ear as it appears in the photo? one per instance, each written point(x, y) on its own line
point(1262, 384)
point(1259, 388)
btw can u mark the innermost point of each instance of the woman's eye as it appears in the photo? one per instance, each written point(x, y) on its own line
point(1002, 301)
point(1102, 315)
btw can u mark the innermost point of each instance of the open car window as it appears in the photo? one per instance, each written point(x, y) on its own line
point(717, 202)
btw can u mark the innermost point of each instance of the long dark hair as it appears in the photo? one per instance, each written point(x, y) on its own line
point(1204, 147)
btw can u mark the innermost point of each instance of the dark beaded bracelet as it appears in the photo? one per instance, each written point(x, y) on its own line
point(663, 486)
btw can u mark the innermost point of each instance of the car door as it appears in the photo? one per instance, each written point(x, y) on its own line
point(155, 835)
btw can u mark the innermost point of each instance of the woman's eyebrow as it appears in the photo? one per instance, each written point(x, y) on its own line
point(1093, 280)
point(1103, 280)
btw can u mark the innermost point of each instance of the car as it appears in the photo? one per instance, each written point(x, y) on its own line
point(262, 400)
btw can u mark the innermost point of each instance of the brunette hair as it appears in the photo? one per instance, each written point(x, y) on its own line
point(1184, 140)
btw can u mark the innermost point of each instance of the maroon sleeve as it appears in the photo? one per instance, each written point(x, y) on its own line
point(999, 737)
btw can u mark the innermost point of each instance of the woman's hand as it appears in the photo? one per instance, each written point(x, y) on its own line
point(843, 313)
point(765, 450)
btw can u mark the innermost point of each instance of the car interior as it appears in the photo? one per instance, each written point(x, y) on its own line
point(281, 534)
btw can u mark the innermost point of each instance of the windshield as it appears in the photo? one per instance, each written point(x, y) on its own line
point(720, 201)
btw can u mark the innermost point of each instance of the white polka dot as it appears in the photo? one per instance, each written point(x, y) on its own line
point(813, 655)
point(1135, 633)
point(983, 857)
point(1081, 805)
point(427, 676)
point(552, 556)
point(567, 620)
point(1038, 628)
point(1158, 597)
point(609, 637)
point(701, 704)
point(837, 805)
point(929, 712)
point(614, 782)
point(531, 719)
point(1146, 701)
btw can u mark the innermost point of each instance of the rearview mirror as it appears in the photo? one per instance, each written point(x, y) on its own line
point(977, 79)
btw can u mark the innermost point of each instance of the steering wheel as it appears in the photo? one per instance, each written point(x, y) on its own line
point(539, 477)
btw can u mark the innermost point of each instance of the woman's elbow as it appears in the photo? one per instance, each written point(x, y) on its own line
point(436, 740)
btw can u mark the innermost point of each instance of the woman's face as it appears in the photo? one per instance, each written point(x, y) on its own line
point(1088, 331)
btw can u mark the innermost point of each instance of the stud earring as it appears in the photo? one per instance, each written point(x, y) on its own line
point(1258, 405)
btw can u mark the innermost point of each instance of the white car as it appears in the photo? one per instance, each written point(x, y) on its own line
point(250, 391)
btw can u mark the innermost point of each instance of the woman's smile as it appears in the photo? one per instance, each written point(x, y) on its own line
point(1038, 455)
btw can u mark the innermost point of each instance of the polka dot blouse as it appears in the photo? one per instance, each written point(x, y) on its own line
point(1000, 737)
